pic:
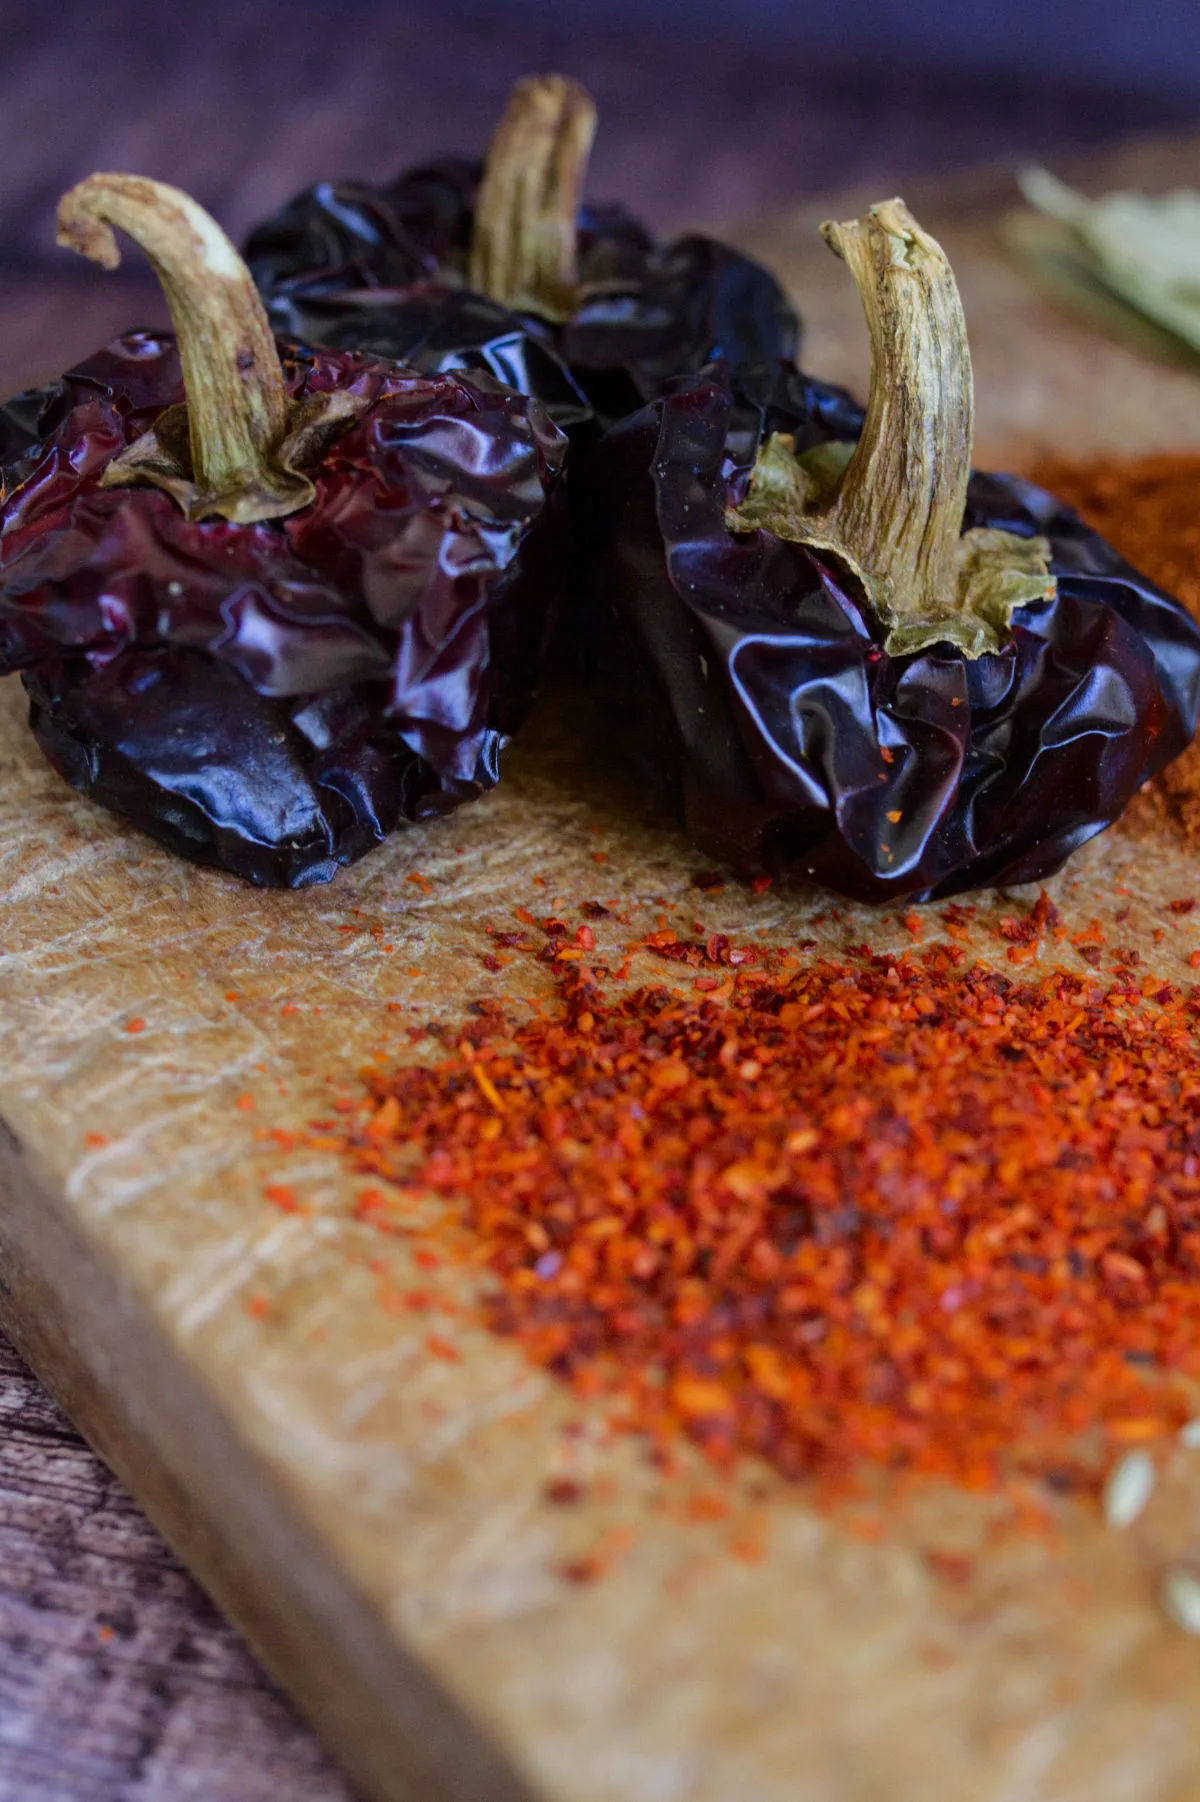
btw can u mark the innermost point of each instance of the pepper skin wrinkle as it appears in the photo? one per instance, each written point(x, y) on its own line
point(275, 690)
point(833, 648)
point(502, 264)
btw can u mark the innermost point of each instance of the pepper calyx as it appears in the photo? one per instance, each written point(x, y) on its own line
point(236, 446)
point(524, 248)
point(889, 513)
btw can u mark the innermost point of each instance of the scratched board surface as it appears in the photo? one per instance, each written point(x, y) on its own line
point(375, 1515)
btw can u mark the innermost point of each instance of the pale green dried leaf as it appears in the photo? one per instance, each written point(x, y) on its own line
point(1144, 248)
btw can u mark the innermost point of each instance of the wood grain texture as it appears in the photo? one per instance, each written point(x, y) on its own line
point(242, 110)
point(374, 1517)
point(103, 1635)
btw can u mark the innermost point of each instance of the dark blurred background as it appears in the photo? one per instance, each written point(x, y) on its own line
point(709, 112)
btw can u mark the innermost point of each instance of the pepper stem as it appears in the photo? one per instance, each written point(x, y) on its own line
point(237, 414)
point(524, 251)
point(892, 516)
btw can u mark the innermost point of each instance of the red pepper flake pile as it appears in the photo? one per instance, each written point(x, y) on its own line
point(889, 1209)
point(1149, 508)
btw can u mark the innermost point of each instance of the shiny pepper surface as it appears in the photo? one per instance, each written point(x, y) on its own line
point(271, 675)
point(503, 265)
point(765, 633)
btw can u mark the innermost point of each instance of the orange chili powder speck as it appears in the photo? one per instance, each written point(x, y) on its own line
point(136, 1026)
point(899, 1210)
point(1149, 509)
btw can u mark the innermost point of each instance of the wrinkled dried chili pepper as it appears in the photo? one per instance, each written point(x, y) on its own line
point(846, 652)
point(548, 280)
point(898, 1210)
point(269, 609)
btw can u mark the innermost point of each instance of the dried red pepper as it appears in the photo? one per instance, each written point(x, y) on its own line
point(460, 264)
point(269, 603)
point(839, 649)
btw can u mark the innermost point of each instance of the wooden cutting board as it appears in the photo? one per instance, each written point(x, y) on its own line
point(374, 1517)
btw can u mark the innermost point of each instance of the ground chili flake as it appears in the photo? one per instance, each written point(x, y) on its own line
point(1149, 508)
point(879, 1208)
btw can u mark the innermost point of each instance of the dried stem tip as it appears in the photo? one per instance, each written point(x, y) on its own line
point(524, 251)
point(892, 515)
point(231, 458)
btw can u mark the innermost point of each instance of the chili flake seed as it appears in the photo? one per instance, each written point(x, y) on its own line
point(1180, 1597)
point(1129, 1487)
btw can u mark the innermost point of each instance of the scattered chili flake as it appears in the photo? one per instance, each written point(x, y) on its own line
point(282, 1195)
point(136, 1026)
point(1044, 917)
point(437, 1347)
point(1181, 907)
point(614, 1544)
point(951, 1567)
point(96, 1140)
point(583, 1570)
point(893, 1209)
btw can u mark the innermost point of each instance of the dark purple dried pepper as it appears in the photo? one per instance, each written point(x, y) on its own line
point(269, 603)
point(465, 264)
point(837, 650)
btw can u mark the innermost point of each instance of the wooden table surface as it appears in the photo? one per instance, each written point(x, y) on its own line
point(117, 1677)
